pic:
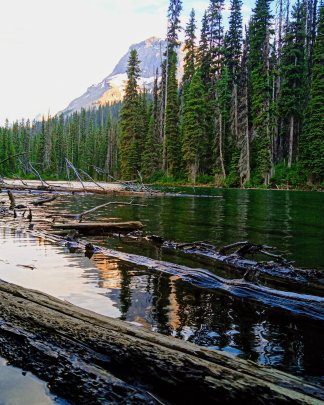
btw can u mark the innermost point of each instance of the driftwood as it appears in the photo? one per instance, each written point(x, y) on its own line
point(91, 179)
point(98, 207)
point(306, 305)
point(89, 358)
point(100, 227)
point(279, 268)
point(33, 170)
point(12, 200)
point(70, 165)
point(12, 156)
point(42, 201)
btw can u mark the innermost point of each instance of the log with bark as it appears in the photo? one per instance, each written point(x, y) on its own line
point(89, 358)
point(278, 268)
point(309, 307)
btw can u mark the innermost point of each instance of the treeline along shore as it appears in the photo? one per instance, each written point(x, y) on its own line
point(248, 110)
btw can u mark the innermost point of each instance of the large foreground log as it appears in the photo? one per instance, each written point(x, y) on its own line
point(89, 358)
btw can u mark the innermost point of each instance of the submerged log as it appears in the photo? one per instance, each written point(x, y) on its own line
point(278, 269)
point(89, 358)
point(42, 201)
point(101, 227)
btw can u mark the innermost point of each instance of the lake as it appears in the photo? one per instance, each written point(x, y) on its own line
point(291, 221)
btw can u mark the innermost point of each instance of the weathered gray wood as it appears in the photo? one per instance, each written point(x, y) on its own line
point(90, 358)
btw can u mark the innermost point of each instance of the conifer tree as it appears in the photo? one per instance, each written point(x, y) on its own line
point(293, 79)
point(194, 126)
point(204, 59)
point(259, 67)
point(171, 139)
point(151, 160)
point(233, 44)
point(130, 136)
point(244, 163)
point(189, 49)
point(312, 140)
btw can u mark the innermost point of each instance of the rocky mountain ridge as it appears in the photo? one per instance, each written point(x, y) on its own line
point(111, 88)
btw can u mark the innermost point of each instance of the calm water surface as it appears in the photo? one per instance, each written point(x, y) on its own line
point(21, 388)
point(291, 221)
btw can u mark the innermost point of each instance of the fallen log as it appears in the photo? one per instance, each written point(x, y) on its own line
point(42, 201)
point(278, 269)
point(98, 207)
point(309, 307)
point(12, 200)
point(100, 227)
point(90, 358)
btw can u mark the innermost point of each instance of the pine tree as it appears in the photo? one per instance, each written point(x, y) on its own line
point(130, 136)
point(233, 41)
point(204, 60)
point(171, 138)
point(151, 161)
point(259, 67)
point(216, 88)
point(193, 128)
point(244, 163)
point(233, 45)
point(312, 140)
point(190, 50)
point(172, 131)
point(216, 36)
point(293, 78)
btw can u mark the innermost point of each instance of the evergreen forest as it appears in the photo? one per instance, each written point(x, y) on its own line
point(247, 112)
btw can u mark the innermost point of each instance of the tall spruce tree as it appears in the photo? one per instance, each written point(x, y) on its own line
point(217, 86)
point(204, 59)
point(293, 79)
point(194, 126)
point(189, 49)
point(244, 163)
point(259, 67)
point(171, 139)
point(312, 140)
point(130, 137)
point(151, 160)
point(233, 45)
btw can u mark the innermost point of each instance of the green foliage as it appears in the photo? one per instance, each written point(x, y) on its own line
point(130, 122)
point(172, 131)
point(238, 112)
point(286, 177)
point(312, 140)
point(194, 126)
point(205, 179)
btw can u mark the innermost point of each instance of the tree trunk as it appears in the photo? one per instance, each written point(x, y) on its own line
point(291, 141)
point(89, 358)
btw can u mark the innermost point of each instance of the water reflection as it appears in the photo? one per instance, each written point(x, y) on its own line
point(291, 221)
point(21, 388)
point(168, 305)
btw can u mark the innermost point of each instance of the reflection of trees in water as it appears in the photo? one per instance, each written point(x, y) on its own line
point(161, 289)
point(125, 296)
point(210, 318)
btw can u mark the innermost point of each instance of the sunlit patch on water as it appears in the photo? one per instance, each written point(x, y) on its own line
point(23, 388)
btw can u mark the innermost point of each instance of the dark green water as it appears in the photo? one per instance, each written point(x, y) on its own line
point(293, 222)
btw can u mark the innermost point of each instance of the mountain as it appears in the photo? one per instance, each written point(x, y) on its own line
point(111, 89)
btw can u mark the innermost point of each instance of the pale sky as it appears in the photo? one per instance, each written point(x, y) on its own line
point(53, 50)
